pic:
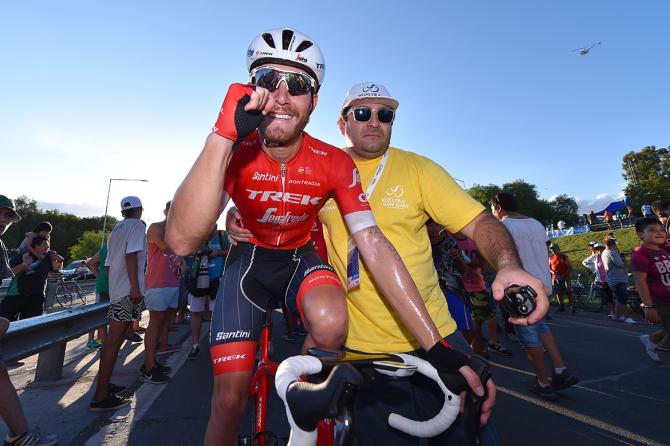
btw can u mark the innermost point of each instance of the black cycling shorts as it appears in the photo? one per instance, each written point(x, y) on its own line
point(254, 281)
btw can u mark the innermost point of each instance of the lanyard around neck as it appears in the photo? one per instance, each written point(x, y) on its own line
point(378, 175)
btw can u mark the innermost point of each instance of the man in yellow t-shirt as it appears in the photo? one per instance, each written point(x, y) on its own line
point(405, 190)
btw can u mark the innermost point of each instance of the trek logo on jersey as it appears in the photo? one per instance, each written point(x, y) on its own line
point(305, 170)
point(229, 358)
point(318, 152)
point(286, 197)
point(356, 178)
point(264, 177)
point(239, 334)
point(286, 219)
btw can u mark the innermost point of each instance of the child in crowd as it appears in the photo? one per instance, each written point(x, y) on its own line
point(651, 270)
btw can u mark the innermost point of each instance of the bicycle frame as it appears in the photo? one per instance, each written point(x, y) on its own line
point(262, 382)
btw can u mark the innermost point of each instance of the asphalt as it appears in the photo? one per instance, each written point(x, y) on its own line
point(622, 398)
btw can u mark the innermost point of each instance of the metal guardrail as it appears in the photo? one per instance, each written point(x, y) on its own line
point(48, 335)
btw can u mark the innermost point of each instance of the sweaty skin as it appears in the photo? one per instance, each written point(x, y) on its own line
point(392, 277)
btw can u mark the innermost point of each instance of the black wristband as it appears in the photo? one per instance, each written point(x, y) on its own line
point(648, 306)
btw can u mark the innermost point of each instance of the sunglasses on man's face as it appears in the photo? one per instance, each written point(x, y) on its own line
point(270, 79)
point(364, 114)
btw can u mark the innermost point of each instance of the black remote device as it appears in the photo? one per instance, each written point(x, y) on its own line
point(519, 301)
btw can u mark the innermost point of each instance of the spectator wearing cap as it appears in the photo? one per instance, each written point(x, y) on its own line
point(560, 267)
point(617, 280)
point(10, 406)
point(125, 263)
point(8, 216)
point(594, 263)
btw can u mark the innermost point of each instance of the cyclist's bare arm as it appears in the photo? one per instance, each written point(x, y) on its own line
point(495, 244)
point(392, 277)
point(396, 284)
point(199, 200)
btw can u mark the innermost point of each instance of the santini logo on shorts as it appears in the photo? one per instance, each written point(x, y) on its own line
point(239, 334)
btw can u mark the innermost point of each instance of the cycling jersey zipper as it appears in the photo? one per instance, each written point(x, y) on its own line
point(283, 203)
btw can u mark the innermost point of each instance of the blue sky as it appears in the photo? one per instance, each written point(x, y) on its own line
point(490, 90)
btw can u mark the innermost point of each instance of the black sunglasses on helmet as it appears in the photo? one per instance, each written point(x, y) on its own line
point(270, 79)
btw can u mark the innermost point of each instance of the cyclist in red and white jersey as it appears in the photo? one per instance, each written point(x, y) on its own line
point(279, 177)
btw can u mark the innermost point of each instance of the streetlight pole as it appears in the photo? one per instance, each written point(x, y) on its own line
point(109, 188)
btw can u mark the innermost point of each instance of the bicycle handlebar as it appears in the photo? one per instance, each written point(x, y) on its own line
point(440, 422)
point(287, 384)
point(287, 373)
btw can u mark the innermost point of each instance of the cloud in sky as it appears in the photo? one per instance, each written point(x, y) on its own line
point(597, 204)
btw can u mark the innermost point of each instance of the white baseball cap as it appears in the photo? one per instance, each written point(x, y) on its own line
point(369, 90)
point(130, 203)
point(598, 245)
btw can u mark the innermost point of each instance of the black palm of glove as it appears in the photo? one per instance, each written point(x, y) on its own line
point(448, 361)
point(234, 122)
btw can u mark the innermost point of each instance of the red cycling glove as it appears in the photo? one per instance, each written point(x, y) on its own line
point(234, 122)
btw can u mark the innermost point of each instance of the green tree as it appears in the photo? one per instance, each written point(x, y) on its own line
point(564, 207)
point(482, 193)
point(653, 173)
point(529, 202)
point(68, 228)
point(87, 245)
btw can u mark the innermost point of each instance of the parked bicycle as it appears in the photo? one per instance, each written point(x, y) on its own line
point(69, 290)
point(590, 295)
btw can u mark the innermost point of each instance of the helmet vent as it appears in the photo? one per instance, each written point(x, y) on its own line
point(269, 40)
point(303, 46)
point(286, 37)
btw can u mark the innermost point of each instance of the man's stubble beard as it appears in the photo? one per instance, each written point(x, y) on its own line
point(281, 137)
point(372, 150)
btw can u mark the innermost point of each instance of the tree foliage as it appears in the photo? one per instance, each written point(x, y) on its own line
point(68, 228)
point(529, 202)
point(653, 173)
point(483, 194)
point(564, 207)
point(87, 245)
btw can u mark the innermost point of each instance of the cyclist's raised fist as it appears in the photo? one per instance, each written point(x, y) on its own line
point(241, 112)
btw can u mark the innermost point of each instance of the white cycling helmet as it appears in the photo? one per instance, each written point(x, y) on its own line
point(287, 46)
